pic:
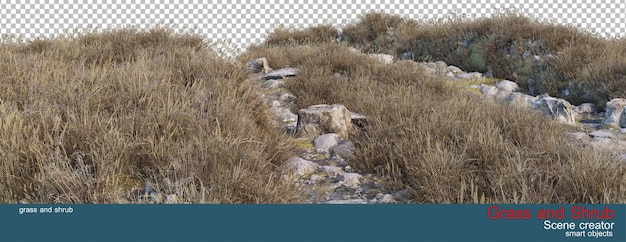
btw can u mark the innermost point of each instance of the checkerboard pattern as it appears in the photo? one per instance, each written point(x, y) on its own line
point(247, 22)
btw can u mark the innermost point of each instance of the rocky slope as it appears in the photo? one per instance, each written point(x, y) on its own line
point(326, 177)
point(321, 170)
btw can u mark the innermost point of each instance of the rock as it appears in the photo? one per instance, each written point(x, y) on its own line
point(258, 65)
point(453, 69)
point(345, 149)
point(322, 119)
point(386, 199)
point(348, 169)
point(614, 113)
point(586, 108)
point(171, 199)
point(331, 170)
point(384, 58)
point(534, 87)
point(284, 115)
point(351, 179)
point(609, 145)
point(407, 55)
point(348, 201)
point(315, 178)
point(358, 120)
point(602, 134)
point(148, 188)
point(287, 98)
point(281, 73)
point(506, 85)
point(488, 90)
point(555, 108)
point(441, 65)
point(275, 104)
point(326, 141)
point(301, 167)
point(273, 84)
point(402, 196)
point(493, 92)
point(519, 98)
point(471, 75)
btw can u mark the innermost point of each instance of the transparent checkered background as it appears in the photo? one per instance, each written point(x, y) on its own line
point(246, 22)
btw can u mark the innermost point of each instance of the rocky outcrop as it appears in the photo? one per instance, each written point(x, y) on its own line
point(615, 113)
point(555, 108)
point(323, 119)
point(321, 170)
point(259, 65)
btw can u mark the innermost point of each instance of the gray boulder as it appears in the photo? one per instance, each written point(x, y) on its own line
point(506, 85)
point(614, 113)
point(586, 109)
point(345, 149)
point(555, 108)
point(324, 142)
point(301, 167)
point(518, 98)
point(283, 115)
point(323, 119)
point(351, 179)
point(453, 69)
point(494, 93)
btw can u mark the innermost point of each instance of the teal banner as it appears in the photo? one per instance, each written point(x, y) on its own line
point(495, 222)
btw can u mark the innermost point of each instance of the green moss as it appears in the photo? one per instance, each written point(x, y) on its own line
point(476, 60)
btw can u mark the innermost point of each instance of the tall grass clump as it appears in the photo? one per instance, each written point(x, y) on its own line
point(90, 119)
point(443, 144)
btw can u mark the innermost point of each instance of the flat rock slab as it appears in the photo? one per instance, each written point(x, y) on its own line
point(281, 73)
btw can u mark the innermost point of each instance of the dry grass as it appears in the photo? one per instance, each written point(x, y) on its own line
point(442, 143)
point(85, 119)
point(587, 66)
